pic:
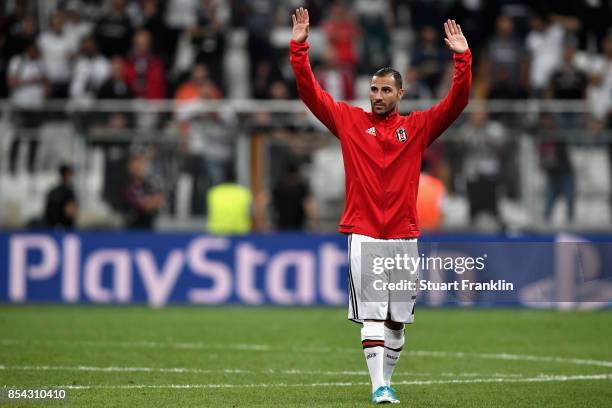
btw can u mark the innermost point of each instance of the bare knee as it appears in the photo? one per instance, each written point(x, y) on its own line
point(390, 324)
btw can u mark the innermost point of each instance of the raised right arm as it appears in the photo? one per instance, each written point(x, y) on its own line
point(320, 103)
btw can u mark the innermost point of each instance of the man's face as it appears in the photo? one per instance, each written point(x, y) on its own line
point(89, 46)
point(384, 94)
point(137, 167)
point(142, 43)
point(505, 26)
point(117, 68)
point(68, 178)
point(607, 47)
point(32, 52)
point(568, 55)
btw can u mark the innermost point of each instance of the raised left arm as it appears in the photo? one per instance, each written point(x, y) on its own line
point(439, 117)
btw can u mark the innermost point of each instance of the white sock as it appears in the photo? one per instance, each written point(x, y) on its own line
point(373, 342)
point(394, 342)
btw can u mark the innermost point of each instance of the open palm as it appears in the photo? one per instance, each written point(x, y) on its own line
point(301, 25)
point(454, 37)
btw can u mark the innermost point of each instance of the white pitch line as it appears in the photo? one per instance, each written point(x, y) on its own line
point(265, 347)
point(179, 370)
point(155, 344)
point(187, 370)
point(512, 357)
point(538, 379)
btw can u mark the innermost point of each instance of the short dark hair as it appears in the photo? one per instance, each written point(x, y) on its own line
point(65, 169)
point(386, 71)
point(229, 173)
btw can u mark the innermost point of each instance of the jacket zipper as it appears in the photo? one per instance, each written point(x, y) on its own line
point(384, 190)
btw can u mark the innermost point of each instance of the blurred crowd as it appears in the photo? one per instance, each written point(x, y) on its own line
point(82, 51)
point(156, 49)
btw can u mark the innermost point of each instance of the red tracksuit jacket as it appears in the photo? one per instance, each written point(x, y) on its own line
point(382, 165)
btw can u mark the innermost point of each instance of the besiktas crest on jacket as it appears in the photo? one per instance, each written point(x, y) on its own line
point(401, 134)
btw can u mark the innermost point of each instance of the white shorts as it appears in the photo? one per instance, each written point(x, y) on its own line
point(402, 310)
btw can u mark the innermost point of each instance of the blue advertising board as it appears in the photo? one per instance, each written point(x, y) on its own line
point(291, 269)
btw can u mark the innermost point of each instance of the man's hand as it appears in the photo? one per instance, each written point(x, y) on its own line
point(454, 37)
point(300, 25)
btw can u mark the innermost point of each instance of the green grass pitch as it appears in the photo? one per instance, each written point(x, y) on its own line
point(241, 357)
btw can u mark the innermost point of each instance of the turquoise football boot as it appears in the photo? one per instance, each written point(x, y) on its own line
point(385, 394)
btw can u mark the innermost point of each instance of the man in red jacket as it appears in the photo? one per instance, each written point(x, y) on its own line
point(144, 71)
point(382, 153)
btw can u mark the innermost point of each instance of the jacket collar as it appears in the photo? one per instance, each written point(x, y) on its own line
point(390, 118)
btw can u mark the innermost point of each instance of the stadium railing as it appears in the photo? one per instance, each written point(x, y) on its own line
point(188, 143)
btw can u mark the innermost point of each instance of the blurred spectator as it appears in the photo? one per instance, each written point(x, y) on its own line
point(595, 18)
point(163, 38)
point(15, 20)
point(142, 197)
point(89, 10)
point(503, 87)
point(113, 135)
point(606, 124)
point(336, 80)
point(266, 73)
point(275, 121)
point(430, 198)
point(144, 71)
point(114, 30)
point(191, 90)
point(181, 14)
point(483, 141)
point(279, 90)
point(316, 11)
point(229, 207)
point(208, 39)
point(28, 87)
point(504, 62)
point(426, 13)
point(91, 70)
point(3, 58)
point(518, 10)
point(261, 16)
point(206, 138)
point(414, 89)
point(57, 51)
point(293, 205)
point(75, 27)
point(545, 45)
point(375, 20)
point(556, 163)
point(21, 30)
point(600, 82)
point(342, 33)
point(61, 207)
point(475, 17)
point(212, 134)
point(429, 57)
point(568, 82)
point(116, 87)
point(564, 12)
